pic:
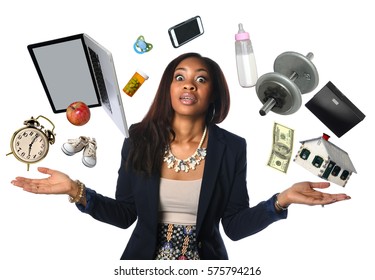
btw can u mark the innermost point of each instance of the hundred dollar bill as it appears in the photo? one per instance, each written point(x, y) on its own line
point(282, 147)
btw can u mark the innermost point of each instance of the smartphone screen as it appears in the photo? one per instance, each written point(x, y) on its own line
point(186, 31)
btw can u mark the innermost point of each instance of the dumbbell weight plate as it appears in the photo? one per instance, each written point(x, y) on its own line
point(279, 87)
point(307, 77)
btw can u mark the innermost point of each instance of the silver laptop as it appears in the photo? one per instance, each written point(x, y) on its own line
point(77, 68)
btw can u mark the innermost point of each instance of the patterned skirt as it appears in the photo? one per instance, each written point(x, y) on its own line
point(177, 242)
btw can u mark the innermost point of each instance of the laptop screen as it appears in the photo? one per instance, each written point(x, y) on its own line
point(64, 71)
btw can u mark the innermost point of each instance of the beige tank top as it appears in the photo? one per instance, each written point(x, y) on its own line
point(179, 201)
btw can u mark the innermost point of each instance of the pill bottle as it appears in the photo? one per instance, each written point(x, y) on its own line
point(245, 59)
point(135, 83)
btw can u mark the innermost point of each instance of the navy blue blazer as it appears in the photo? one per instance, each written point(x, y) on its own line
point(223, 197)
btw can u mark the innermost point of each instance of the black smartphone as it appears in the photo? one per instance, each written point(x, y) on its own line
point(185, 31)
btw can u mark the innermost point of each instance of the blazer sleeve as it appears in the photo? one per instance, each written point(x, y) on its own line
point(120, 212)
point(239, 219)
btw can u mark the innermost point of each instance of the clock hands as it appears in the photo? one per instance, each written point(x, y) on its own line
point(32, 142)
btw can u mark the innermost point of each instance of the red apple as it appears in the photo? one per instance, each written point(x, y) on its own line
point(78, 113)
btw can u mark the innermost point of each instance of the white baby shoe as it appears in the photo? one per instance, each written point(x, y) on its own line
point(89, 153)
point(74, 146)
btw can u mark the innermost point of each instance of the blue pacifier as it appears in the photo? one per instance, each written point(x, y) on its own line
point(140, 46)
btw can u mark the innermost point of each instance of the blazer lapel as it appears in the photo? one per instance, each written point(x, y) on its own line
point(215, 150)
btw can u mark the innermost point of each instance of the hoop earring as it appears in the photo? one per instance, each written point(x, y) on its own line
point(213, 112)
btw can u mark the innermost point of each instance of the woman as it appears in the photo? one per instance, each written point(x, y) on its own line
point(178, 204)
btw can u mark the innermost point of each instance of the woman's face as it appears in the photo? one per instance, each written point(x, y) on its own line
point(191, 88)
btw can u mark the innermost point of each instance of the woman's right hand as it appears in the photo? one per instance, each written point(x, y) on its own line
point(56, 183)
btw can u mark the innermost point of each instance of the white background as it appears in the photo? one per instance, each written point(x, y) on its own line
point(45, 237)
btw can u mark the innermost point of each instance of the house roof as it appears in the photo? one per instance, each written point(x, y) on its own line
point(339, 156)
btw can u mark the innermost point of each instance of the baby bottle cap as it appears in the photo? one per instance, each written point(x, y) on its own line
point(242, 34)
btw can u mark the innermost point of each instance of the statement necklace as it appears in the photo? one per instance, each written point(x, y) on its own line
point(189, 163)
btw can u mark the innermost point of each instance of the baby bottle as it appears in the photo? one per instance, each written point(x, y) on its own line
point(245, 59)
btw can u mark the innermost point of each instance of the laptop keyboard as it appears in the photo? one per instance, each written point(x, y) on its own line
point(100, 79)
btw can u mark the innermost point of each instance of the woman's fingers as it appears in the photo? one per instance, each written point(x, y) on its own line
point(31, 185)
point(319, 185)
point(45, 170)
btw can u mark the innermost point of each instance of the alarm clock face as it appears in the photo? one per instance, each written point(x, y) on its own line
point(29, 145)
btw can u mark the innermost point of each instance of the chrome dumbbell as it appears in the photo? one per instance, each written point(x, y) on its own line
point(281, 90)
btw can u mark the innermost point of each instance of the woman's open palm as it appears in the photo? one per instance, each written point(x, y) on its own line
point(56, 183)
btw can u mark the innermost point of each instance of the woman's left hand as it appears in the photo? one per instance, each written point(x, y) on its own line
point(305, 193)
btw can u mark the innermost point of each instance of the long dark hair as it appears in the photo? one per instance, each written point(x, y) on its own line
point(149, 138)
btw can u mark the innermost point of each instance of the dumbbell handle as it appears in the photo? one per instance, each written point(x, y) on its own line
point(294, 75)
point(271, 102)
point(267, 106)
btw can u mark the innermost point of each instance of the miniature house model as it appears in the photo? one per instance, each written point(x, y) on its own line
point(325, 160)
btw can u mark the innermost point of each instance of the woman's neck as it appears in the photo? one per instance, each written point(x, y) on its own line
point(188, 131)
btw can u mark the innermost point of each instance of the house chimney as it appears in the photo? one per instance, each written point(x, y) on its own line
point(325, 136)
